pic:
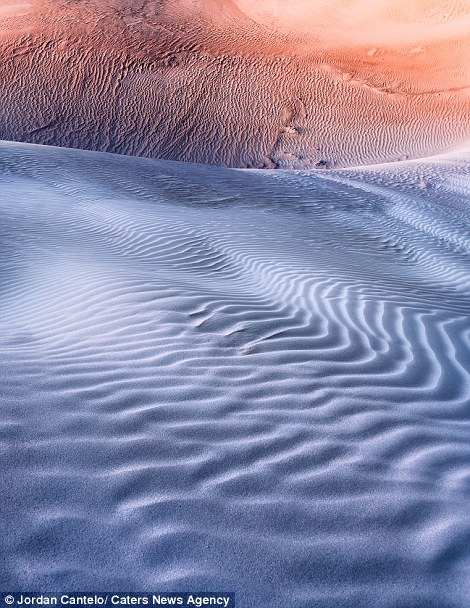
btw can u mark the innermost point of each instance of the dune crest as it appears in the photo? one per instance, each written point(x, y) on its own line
point(238, 83)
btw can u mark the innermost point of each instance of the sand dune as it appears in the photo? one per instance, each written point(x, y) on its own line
point(393, 22)
point(244, 84)
point(221, 379)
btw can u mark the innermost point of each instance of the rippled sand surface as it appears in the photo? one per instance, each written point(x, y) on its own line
point(236, 380)
point(239, 83)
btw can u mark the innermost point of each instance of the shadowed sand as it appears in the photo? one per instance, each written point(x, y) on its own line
point(229, 380)
point(245, 84)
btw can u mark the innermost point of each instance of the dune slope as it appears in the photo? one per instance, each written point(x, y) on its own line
point(229, 380)
point(243, 84)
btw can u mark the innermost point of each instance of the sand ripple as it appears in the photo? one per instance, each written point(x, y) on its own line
point(222, 379)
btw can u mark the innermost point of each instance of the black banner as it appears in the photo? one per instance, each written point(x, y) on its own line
point(110, 599)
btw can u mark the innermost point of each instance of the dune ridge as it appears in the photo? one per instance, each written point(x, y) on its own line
point(217, 82)
point(241, 380)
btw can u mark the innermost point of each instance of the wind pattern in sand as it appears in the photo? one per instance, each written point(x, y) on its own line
point(221, 379)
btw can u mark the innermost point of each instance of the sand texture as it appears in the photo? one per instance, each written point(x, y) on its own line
point(235, 380)
point(238, 83)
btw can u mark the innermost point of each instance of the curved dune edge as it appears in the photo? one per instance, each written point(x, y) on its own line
point(251, 381)
point(207, 82)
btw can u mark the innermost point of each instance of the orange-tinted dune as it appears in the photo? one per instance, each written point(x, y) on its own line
point(241, 83)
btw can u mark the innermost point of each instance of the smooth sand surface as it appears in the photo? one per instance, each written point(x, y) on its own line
point(238, 83)
point(235, 380)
